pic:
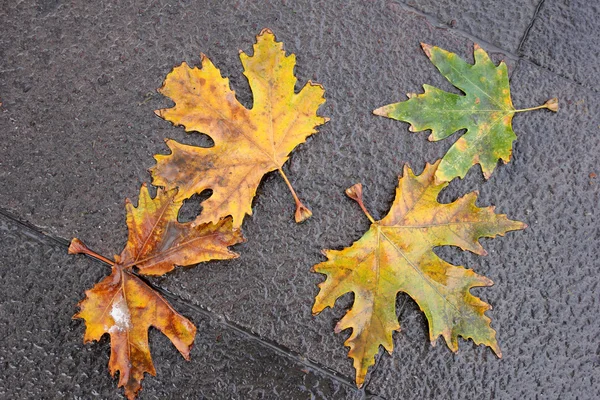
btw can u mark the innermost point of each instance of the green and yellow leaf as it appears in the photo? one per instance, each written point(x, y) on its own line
point(485, 111)
point(396, 255)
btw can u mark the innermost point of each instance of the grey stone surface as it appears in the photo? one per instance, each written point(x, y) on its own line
point(77, 84)
point(563, 37)
point(500, 22)
point(42, 355)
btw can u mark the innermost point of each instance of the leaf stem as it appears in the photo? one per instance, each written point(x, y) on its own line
point(78, 247)
point(551, 105)
point(355, 193)
point(302, 212)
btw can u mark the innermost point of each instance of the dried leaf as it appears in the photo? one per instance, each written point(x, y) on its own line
point(485, 111)
point(125, 307)
point(158, 242)
point(248, 143)
point(396, 255)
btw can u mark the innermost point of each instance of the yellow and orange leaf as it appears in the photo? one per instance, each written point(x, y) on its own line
point(248, 143)
point(396, 255)
point(125, 307)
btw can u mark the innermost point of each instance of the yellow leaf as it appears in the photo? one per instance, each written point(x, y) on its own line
point(248, 143)
point(158, 242)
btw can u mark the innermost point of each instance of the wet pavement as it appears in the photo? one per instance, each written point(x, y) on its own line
point(77, 86)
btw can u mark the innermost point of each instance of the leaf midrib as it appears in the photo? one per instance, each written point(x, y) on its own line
point(492, 99)
point(415, 267)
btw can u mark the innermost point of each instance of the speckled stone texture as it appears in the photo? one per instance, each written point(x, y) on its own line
point(563, 39)
point(78, 81)
point(499, 22)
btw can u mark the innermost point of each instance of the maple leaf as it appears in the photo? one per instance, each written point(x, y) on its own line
point(485, 111)
point(396, 255)
point(125, 307)
point(248, 143)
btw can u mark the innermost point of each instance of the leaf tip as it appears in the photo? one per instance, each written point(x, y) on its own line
point(337, 328)
point(497, 351)
point(476, 46)
point(405, 170)
point(427, 49)
point(381, 111)
point(186, 355)
point(267, 31)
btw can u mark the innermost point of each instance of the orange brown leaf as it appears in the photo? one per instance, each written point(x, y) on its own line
point(396, 255)
point(158, 242)
point(248, 143)
point(125, 307)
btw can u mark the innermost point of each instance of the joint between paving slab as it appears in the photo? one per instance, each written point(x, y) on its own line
point(529, 60)
point(277, 348)
point(434, 21)
point(528, 29)
point(247, 334)
point(514, 70)
point(45, 236)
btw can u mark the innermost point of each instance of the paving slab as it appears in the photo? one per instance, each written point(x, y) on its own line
point(563, 39)
point(78, 96)
point(42, 354)
point(77, 82)
point(501, 23)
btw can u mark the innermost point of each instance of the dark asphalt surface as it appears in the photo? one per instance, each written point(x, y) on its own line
point(77, 83)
